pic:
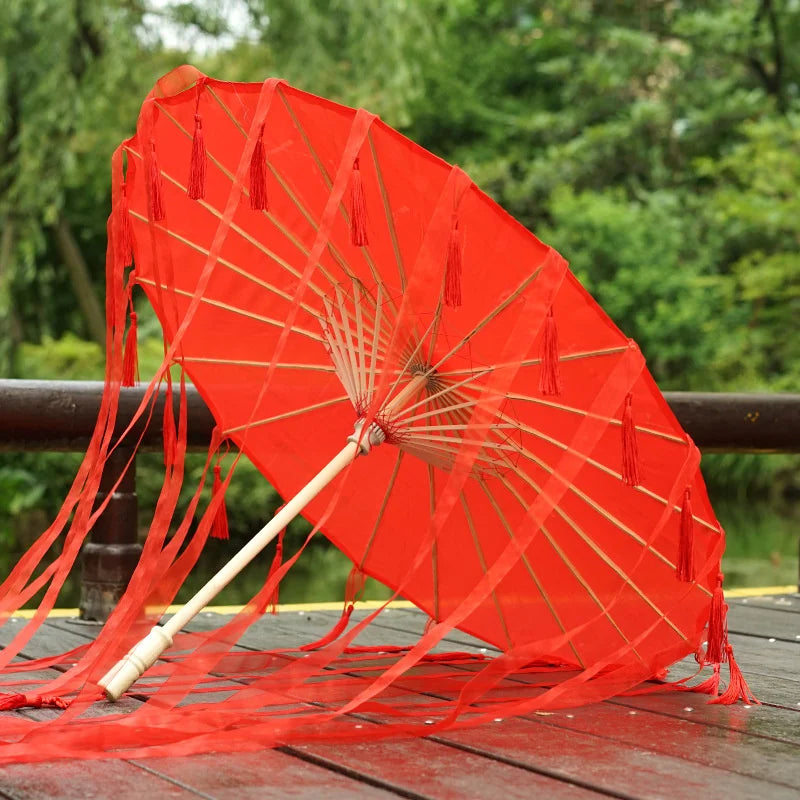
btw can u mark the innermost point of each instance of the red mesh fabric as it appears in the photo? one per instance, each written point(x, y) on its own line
point(499, 506)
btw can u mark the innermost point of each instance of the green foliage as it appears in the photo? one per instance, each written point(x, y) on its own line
point(657, 145)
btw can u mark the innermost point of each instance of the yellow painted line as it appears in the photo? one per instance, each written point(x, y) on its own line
point(371, 605)
point(760, 591)
point(288, 608)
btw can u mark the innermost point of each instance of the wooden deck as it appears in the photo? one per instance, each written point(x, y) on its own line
point(657, 746)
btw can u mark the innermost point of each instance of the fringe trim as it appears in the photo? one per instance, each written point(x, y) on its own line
point(125, 248)
point(334, 633)
point(630, 450)
point(156, 198)
point(717, 627)
point(197, 165)
point(685, 568)
point(358, 208)
point(453, 266)
point(272, 606)
point(258, 175)
point(219, 526)
point(130, 361)
point(10, 702)
point(737, 686)
point(550, 373)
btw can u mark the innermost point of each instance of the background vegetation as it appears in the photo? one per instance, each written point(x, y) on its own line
point(655, 143)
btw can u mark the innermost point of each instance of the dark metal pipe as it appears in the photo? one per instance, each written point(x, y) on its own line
point(60, 415)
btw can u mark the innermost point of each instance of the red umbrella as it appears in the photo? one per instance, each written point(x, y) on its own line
point(333, 290)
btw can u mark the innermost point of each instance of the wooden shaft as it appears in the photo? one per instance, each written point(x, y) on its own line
point(408, 391)
point(119, 679)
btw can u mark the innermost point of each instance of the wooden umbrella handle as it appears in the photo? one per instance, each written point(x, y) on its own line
point(144, 654)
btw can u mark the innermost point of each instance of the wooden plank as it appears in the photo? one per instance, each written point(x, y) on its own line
point(612, 721)
point(787, 603)
point(634, 771)
point(687, 738)
point(83, 780)
point(265, 774)
point(777, 724)
point(762, 620)
point(423, 765)
point(756, 746)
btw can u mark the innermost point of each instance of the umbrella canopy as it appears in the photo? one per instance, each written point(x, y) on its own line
point(320, 278)
point(305, 324)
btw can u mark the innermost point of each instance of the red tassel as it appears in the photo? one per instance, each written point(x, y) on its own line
point(130, 361)
point(258, 176)
point(550, 375)
point(197, 165)
point(685, 568)
point(125, 251)
point(358, 208)
point(169, 432)
point(334, 633)
point(737, 686)
point(710, 685)
point(717, 632)
point(9, 702)
point(355, 585)
point(219, 527)
point(274, 599)
point(630, 450)
point(453, 267)
point(156, 199)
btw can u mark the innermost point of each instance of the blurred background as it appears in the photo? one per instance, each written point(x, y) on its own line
point(655, 144)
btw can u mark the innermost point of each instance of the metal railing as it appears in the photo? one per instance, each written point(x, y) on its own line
point(61, 415)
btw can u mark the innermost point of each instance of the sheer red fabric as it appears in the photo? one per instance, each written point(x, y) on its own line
point(313, 269)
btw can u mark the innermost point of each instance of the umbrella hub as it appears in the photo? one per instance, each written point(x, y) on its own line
point(366, 440)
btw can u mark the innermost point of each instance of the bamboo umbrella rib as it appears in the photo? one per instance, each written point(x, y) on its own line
point(610, 420)
point(513, 467)
point(374, 350)
point(531, 362)
point(286, 415)
point(269, 215)
point(228, 174)
point(572, 524)
point(434, 547)
point(424, 449)
point(383, 337)
point(240, 231)
point(439, 393)
point(602, 511)
point(345, 324)
point(409, 361)
point(593, 462)
point(362, 366)
point(337, 351)
point(231, 309)
point(235, 362)
point(382, 509)
point(329, 183)
point(387, 210)
point(495, 312)
point(231, 266)
point(341, 369)
point(484, 443)
point(482, 559)
point(593, 545)
point(614, 474)
point(588, 589)
point(534, 577)
point(329, 245)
